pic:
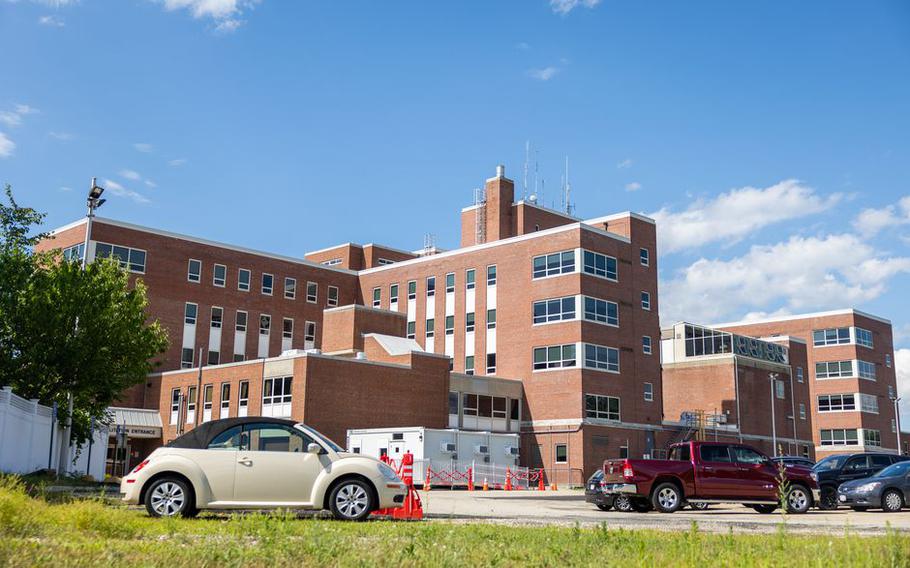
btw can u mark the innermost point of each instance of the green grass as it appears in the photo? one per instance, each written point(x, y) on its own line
point(34, 532)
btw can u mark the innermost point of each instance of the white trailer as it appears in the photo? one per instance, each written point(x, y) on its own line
point(449, 452)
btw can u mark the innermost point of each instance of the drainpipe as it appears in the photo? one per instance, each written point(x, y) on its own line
point(793, 406)
point(739, 418)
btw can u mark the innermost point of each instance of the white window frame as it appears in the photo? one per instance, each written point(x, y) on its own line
point(220, 317)
point(845, 440)
point(290, 288)
point(606, 366)
point(564, 263)
point(412, 284)
point(649, 392)
point(800, 375)
point(393, 293)
point(431, 291)
point(285, 334)
point(564, 309)
point(469, 370)
point(246, 321)
point(243, 402)
point(491, 323)
point(802, 411)
point(449, 329)
point(469, 322)
point(491, 280)
point(646, 300)
point(644, 256)
point(175, 406)
point(377, 297)
point(267, 291)
point(186, 316)
point(470, 279)
point(128, 263)
point(607, 414)
point(450, 289)
point(329, 299)
point(266, 318)
point(219, 282)
point(411, 331)
point(607, 304)
point(491, 368)
point(224, 404)
point(312, 292)
point(190, 277)
point(430, 328)
point(269, 402)
point(309, 331)
point(556, 448)
point(561, 356)
point(592, 269)
point(646, 345)
point(249, 279)
point(827, 403)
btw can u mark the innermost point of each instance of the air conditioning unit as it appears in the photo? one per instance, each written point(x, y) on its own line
point(511, 451)
point(447, 448)
point(481, 449)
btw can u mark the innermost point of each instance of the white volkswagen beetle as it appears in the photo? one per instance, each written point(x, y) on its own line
point(260, 463)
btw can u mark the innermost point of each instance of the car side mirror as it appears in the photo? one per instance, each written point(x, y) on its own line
point(314, 448)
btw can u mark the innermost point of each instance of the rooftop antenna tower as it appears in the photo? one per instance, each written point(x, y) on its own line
point(567, 191)
point(524, 193)
point(429, 243)
point(480, 216)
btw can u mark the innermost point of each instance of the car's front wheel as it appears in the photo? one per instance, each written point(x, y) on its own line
point(351, 500)
point(170, 497)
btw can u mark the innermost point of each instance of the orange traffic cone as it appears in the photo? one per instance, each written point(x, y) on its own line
point(485, 486)
point(470, 479)
point(508, 479)
point(426, 482)
point(553, 486)
point(540, 485)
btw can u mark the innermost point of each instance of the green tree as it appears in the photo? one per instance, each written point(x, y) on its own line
point(66, 330)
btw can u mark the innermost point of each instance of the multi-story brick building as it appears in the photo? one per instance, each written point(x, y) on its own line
point(852, 380)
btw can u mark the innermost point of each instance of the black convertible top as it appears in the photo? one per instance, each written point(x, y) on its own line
point(199, 437)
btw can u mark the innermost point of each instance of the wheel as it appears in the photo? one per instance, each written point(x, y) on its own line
point(765, 509)
point(829, 498)
point(604, 506)
point(622, 503)
point(699, 506)
point(666, 498)
point(860, 509)
point(169, 497)
point(798, 500)
point(640, 505)
point(892, 501)
point(351, 500)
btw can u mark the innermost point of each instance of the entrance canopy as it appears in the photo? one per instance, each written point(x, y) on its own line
point(137, 422)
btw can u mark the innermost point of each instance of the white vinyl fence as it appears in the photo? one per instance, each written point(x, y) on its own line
point(30, 440)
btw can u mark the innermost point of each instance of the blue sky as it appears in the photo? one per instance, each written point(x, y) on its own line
point(770, 140)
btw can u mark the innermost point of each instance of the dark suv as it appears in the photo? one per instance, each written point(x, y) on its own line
point(834, 470)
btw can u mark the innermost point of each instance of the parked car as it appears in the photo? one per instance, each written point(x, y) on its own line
point(709, 472)
point(787, 461)
point(834, 470)
point(256, 462)
point(594, 492)
point(888, 489)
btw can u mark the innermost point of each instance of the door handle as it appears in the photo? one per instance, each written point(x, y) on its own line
point(245, 461)
point(708, 468)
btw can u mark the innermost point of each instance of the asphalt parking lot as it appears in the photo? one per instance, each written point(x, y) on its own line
point(568, 507)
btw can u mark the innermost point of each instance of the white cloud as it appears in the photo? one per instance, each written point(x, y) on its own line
point(544, 74)
point(150, 183)
point(902, 368)
point(796, 275)
point(65, 188)
point(130, 174)
point(6, 146)
point(225, 14)
point(63, 136)
point(563, 7)
point(14, 117)
point(634, 186)
point(872, 221)
point(143, 147)
point(523, 45)
point(51, 21)
point(733, 215)
point(177, 163)
point(625, 164)
point(121, 191)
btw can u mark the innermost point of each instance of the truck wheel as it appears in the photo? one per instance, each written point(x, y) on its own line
point(666, 498)
point(640, 505)
point(892, 501)
point(765, 509)
point(622, 503)
point(798, 500)
point(828, 502)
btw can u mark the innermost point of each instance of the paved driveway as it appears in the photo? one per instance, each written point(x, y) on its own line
point(568, 507)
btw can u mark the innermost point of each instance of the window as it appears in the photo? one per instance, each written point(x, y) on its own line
point(267, 281)
point(491, 275)
point(207, 391)
point(287, 328)
point(747, 455)
point(240, 324)
point(833, 336)
point(469, 279)
point(276, 396)
point(888, 360)
point(623, 452)
point(863, 337)
point(893, 426)
point(243, 399)
point(238, 357)
point(412, 325)
point(469, 365)
point(802, 411)
point(715, 454)
point(499, 407)
point(469, 404)
point(431, 327)
point(377, 297)
point(309, 332)
point(890, 392)
point(839, 437)
point(866, 370)
point(225, 400)
point(601, 311)
point(393, 294)
point(779, 389)
point(603, 358)
point(214, 357)
point(312, 292)
point(175, 406)
point(562, 453)
point(412, 289)
point(332, 296)
point(431, 286)
point(290, 288)
point(836, 402)
point(74, 253)
point(491, 363)
point(191, 405)
point(601, 407)
point(230, 439)
point(600, 265)
point(515, 410)
point(450, 325)
point(799, 375)
point(128, 258)
point(491, 319)
point(276, 438)
point(646, 344)
point(450, 282)
point(833, 369)
point(872, 438)
point(332, 262)
point(219, 275)
point(453, 402)
point(186, 358)
point(190, 311)
point(553, 264)
point(868, 403)
point(194, 271)
point(556, 309)
point(645, 301)
point(680, 453)
point(265, 324)
point(644, 257)
point(243, 280)
point(649, 392)
point(469, 322)
point(554, 356)
point(706, 341)
point(217, 317)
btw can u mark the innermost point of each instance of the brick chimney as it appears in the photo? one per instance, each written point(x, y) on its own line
point(500, 192)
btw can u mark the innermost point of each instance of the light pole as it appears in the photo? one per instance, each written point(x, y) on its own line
point(897, 422)
point(773, 377)
point(93, 201)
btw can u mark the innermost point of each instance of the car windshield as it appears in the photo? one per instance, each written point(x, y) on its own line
point(895, 470)
point(830, 463)
point(597, 475)
point(325, 440)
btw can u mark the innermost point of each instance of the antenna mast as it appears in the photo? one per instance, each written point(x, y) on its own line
point(567, 191)
point(524, 193)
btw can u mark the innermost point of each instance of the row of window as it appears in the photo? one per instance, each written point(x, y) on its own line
point(842, 336)
point(276, 399)
point(131, 259)
point(850, 437)
point(470, 284)
point(846, 402)
point(564, 262)
point(561, 356)
point(845, 369)
point(267, 283)
point(470, 324)
point(484, 406)
point(469, 368)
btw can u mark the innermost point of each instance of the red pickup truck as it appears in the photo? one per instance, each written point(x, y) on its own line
point(709, 472)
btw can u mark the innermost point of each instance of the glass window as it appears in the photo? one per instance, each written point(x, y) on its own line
point(600, 265)
point(240, 324)
point(888, 360)
point(555, 309)
point(377, 297)
point(649, 392)
point(431, 286)
point(312, 292)
point(243, 400)
point(832, 336)
point(646, 345)
point(469, 365)
point(645, 301)
point(833, 369)
point(431, 327)
point(412, 289)
point(225, 399)
point(491, 319)
point(470, 279)
point(469, 404)
point(644, 257)
point(287, 328)
point(219, 275)
point(450, 325)
point(453, 402)
point(128, 258)
point(491, 275)
point(74, 253)
point(214, 357)
point(553, 264)
point(186, 358)
point(711, 453)
point(411, 329)
point(747, 455)
point(290, 288)
point(872, 438)
point(190, 312)
point(554, 356)
point(276, 390)
point(779, 389)
point(839, 437)
point(217, 317)
point(332, 296)
point(243, 280)
point(491, 363)
point(393, 294)
point(469, 322)
point(265, 324)
point(802, 411)
point(194, 271)
point(863, 337)
point(267, 282)
point(276, 438)
point(227, 440)
point(800, 377)
point(603, 358)
point(866, 370)
point(601, 311)
point(836, 402)
point(562, 453)
point(450, 282)
point(601, 407)
point(309, 332)
point(681, 453)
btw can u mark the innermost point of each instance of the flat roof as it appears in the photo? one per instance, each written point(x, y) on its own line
point(841, 312)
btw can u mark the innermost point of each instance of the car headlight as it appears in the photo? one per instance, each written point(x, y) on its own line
point(388, 473)
point(814, 476)
point(868, 487)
